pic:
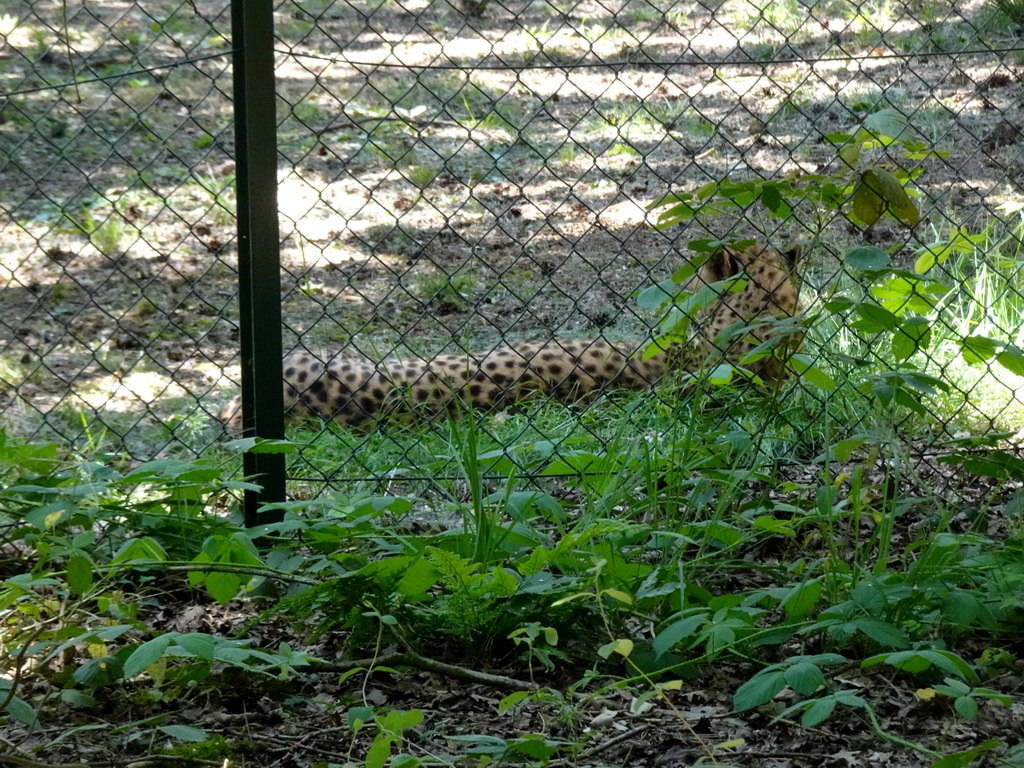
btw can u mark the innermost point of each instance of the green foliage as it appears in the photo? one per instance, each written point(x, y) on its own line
point(663, 531)
point(200, 745)
point(865, 182)
point(870, 608)
point(446, 293)
point(965, 698)
point(802, 673)
point(526, 748)
point(1012, 10)
point(389, 728)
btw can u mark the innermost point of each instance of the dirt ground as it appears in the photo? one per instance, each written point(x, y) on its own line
point(302, 722)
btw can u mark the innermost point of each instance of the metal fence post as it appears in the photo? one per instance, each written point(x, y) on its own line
point(259, 269)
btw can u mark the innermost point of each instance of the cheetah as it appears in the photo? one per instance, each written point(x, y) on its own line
point(359, 392)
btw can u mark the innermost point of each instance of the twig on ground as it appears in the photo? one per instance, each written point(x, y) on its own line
point(411, 659)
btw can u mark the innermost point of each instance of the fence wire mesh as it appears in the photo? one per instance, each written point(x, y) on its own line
point(118, 214)
point(457, 175)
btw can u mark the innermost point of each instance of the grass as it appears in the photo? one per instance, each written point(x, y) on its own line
point(446, 293)
point(1011, 9)
point(778, 20)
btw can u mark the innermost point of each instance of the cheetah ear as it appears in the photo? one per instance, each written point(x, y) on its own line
point(722, 264)
point(793, 254)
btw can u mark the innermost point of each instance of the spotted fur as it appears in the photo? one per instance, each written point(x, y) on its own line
point(356, 392)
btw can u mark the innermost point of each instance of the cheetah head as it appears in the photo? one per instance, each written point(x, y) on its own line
point(738, 322)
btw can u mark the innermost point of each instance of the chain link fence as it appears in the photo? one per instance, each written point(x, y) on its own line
point(455, 175)
point(116, 274)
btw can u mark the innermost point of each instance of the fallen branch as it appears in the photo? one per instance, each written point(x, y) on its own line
point(245, 570)
point(411, 659)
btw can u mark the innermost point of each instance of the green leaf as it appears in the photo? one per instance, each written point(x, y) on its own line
point(669, 199)
point(260, 445)
point(142, 549)
point(184, 733)
point(690, 267)
point(707, 190)
point(774, 525)
point(680, 212)
point(147, 654)
point(851, 699)
point(953, 687)
point(818, 712)
point(533, 747)
point(713, 532)
point(98, 672)
point(913, 334)
point(199, 645)
point(398, 720)
point(721, 375)
point(966, 707)
point(877, 318)
point(771, 196)
point(865, 258)
point(886, 122)
point(804, 367)
point(801, 601)
point(653, 297)
point(931, 255)
point(623, 647)
point(523, 506)
point(915, 662)
point(222, 586)
point(962, 759)
point(1012, 359)
point(671, 635)
point(867, 596)
point(378, 753)
point(921, 382)
point(358, 717)
point(960, 608)
point(838, 137)
point(419, 577)
point(512, 700)
point(843, 450)
point(758, 690)
point(77, 698)
point(868, 205)
point(405, 761)
point(79, 573)
point(804, 678)
point(839, 304)
point(850, 153)
point(978, 349)
point(882, 632)
point(950, 662)
point(21, 711)
point(988, 693)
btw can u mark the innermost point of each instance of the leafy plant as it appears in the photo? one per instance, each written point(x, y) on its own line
point(866, 185)
point(446, 293)
point(389, 734)
point(965, 698)
point(1012, 9)
point(677, 311)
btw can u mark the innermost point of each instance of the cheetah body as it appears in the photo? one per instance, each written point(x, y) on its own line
point(357, 391)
